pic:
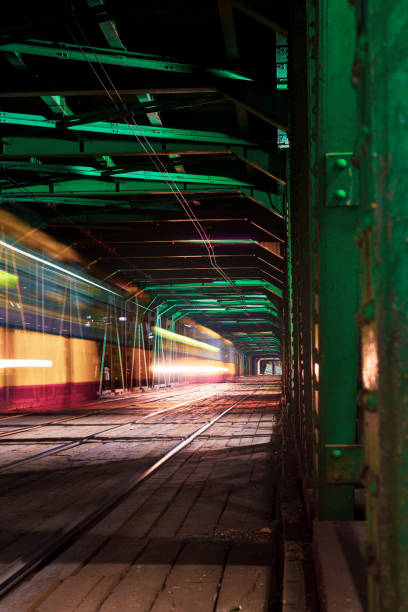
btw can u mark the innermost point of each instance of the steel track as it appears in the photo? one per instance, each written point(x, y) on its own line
point(25, 428)
point(66, 445)
point(25, 565)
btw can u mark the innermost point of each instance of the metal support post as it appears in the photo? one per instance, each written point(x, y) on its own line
point(381, 77)
point(335, 261)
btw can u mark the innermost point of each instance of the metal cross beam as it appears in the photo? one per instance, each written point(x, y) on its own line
point(139, 175)
point(66, 51)
point(126, 129)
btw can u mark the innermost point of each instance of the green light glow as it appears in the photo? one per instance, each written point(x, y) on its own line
point(55, 267)
point(165, 333)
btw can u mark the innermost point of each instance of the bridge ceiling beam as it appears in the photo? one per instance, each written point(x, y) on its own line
point(129, 59)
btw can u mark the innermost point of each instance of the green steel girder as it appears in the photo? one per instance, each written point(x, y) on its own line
point(127, 186)
point(255, 161)
point(217, 309)
point(37, 166)
point(185, 266)
point(215, 312)
point(50, 145)
point(139, 160)
point(52, 90)
point(143, 108)
point(211, 291)
point(66, 51)
point(254, 343)
point(174, 232)
point(140, 131)
point(217, 285)
point(208, 274)
point(202, 304)
point(61, 188)
point(205, 302)
point(252, 321)
point(253, 340)
point(91, 202)
point(185, 254)
point(258, 340)
point(262, 326)
point(25, 119)
point(123, 129)
point(180, 177)
point(138, 175)
point(259, 349)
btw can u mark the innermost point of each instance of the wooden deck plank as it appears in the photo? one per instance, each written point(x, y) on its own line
point(138, 589)
point(248, 582)
point(194, 579)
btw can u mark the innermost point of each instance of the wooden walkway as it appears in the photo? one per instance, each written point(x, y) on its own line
point(201, 534)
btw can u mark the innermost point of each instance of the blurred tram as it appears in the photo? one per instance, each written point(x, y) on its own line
point(66, 337)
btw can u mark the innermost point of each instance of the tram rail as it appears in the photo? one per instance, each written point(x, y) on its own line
point(24, 428)
point(27, 563)
point(87, 438)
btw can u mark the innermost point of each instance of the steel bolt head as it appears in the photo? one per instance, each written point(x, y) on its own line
point(340, 194)
point(341, 163)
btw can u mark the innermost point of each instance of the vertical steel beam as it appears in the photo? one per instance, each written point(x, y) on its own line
point(381, 76)
point(300, 237)
point(335, 260)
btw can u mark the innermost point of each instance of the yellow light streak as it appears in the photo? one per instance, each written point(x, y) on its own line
point(165, 333)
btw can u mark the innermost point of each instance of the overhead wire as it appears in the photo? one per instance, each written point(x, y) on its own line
point(159, 165)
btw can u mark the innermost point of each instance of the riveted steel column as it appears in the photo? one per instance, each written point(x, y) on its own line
point(381, 76)
point(299, 236)
point(335, 260)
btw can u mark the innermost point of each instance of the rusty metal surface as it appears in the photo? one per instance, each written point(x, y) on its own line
point(344, 463)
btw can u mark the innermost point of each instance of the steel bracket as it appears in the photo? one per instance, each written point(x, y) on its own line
point(343, 463)
point(340, 181)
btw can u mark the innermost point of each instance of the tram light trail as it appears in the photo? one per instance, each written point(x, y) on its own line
point(25, 363)
point(7, 279)
point(55, 267)
point(189, 370)
point(165, 333)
